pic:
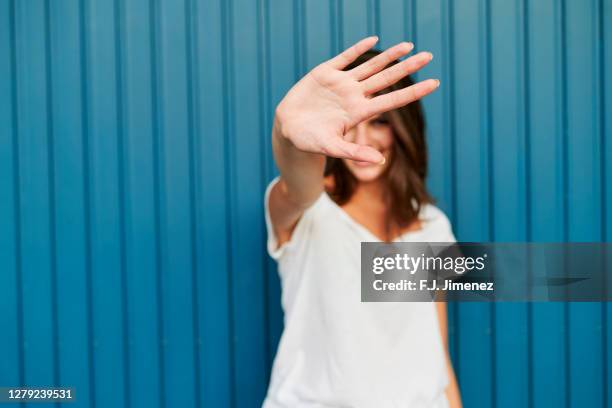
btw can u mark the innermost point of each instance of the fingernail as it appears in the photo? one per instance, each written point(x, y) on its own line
point(430, 56)
point(383, 161)
point(437, 82)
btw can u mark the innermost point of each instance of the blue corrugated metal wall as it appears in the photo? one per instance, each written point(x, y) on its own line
point(134, 152)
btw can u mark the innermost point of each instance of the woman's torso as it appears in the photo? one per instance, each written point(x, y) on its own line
point(336, 351)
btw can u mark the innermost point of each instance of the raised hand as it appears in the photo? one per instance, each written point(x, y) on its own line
point(318, 111)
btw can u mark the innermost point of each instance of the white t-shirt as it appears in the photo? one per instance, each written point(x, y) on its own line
point(336, 351)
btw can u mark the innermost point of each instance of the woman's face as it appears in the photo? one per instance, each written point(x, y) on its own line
point(377, 133)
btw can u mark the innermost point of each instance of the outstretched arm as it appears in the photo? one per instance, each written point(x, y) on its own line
point(313, 118)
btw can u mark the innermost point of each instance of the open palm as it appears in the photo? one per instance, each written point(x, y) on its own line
point(320, 109)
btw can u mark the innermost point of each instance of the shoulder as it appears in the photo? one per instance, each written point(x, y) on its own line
point(431, 213)
point(302, 231)
point(436, 221)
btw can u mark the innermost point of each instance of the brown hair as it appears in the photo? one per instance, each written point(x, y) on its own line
point(407, 170)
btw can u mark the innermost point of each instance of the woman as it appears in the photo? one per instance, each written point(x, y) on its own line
point(359, 112)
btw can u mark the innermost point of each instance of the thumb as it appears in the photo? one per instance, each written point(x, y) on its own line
point(342, 149)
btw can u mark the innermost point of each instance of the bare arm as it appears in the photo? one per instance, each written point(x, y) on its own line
point(452, 391)
point(312, 119)
point(300, 184)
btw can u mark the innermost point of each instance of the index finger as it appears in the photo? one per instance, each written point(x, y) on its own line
point(349, 55)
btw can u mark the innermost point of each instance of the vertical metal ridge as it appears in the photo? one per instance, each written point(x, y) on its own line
point(410, 30)
point(599, 156)
point(406, 14)
point(413, 21)
point(17, 194)
point(86, 163)
point(333, 26)
point(523, 26)
point(604, 190)
point(51, 192)
point(522, 108)
point(340, 26)
point(487, 198)
point(262, 124)
point(599, 38)
point(602, 117)
point(193, 104)
point(122, 153)
point(604, 124)
point(566, 322)
point(526, 112)
point(562, 111)
point(598, 114)
point(297, 63)
point(605, 340)
point(452, 104)
point(268, 77)
point(412, 10)
point(450, 134)
point(376, 17)
point(263, 41)
point(493, 342)
point(566, 192)
point(370, 16)
point(373, 17)
point(300, 39)
point(227, 61)
point(155, 101)
point(562, 77)
point(304, 38)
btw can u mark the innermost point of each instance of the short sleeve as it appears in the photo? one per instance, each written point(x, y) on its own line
point(300, 232)
point(439, 225)
point(447, 234)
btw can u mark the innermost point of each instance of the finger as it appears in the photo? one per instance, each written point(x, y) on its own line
point(401, 97)
point(350, 54)
point(342, 149)
point(396, 72)
point(379, 62)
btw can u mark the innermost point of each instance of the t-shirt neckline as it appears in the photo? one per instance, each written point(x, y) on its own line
point(365, 230)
